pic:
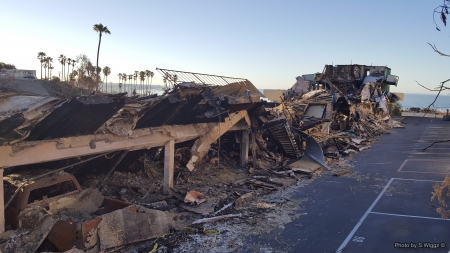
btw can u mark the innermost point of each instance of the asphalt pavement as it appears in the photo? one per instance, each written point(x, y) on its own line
point(384, 206)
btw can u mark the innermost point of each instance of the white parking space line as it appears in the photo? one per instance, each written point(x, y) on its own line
point(409, 216)
point(369, 211)
point(363, 217)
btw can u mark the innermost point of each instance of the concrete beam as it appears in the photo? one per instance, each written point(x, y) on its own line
point(50, 150)
point(169, 155)
point(244, 147)
point(202, 145)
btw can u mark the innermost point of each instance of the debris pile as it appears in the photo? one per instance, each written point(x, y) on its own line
point(200, 153)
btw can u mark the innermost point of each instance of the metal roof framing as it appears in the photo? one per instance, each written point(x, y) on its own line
point(198, 78)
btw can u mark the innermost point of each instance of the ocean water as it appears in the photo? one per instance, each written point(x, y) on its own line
point(424, 100)
point(155, 88)
point(411, 99)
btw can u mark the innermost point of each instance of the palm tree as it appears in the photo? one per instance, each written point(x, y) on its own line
point(121, 76)
point(100, 29)
point(130, 77)
point(62, 60)
point(125, 77)
point(69, 61)
point(151, 80)
point(136, 73)
point(45, 67)
point(41, 56)
point(120, 84)
point(49, 61)
point(107, 72)
point(142, 79)
point(147, 74)
point(51, 67)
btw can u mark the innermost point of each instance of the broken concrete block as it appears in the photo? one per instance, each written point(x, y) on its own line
point(131, 224)
point(32, 216)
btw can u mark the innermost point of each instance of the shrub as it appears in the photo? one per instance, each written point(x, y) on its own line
point(414, 109)
point(55, 79)
point(396, 109)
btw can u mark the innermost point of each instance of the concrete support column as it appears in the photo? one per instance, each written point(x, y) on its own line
point(2, 203)
point(244, 147)
point(169, 154)
point(255, 162)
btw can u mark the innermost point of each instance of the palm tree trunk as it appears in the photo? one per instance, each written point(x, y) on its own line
point(41, 69)
point(98, 52)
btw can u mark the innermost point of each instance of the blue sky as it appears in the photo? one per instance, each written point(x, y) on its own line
point(267, 42)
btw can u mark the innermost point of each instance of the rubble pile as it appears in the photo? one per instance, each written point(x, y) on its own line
point(236, 159)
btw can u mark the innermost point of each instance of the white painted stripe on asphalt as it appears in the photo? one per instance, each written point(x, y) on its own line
point(409, 216)
point(396, 178)
point(363, 218)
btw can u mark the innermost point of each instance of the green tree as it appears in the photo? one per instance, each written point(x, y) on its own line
point(107, 72)
point(174, 79)
point(100, 29)
point(41, 56)
point(7, 66)
point(166, 78)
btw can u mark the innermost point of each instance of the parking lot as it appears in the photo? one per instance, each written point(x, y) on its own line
point(389, 209)
point(403, 218)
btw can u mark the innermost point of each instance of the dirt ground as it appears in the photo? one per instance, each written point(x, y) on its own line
point(261, 200)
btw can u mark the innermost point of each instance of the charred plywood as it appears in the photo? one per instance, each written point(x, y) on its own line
point(81, 116)
point(7, 127)
point(171, 110)
point(18, 114)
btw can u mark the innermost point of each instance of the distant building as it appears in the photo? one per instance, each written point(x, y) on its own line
point(20, 73)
